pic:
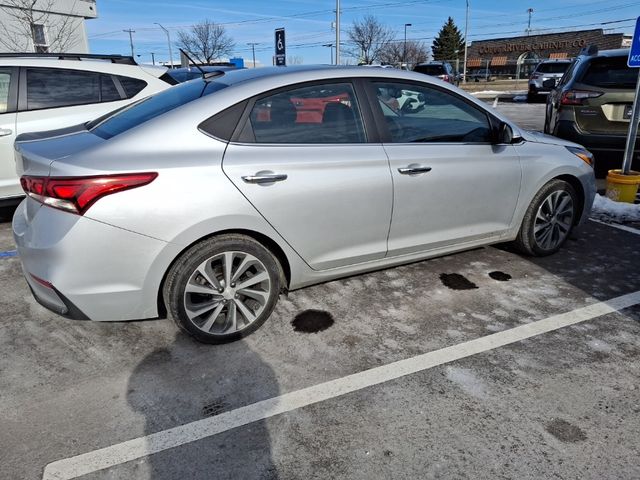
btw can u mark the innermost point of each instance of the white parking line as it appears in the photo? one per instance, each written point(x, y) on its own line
point(157, 442)
point(618, 226)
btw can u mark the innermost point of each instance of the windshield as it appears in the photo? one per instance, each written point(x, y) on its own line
point(555, 67)
point(137, 113)
point(611, 72)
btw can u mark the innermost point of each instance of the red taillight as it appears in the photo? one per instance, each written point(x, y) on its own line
point(41, 281)
point(77, 194)
point(577, 97)
point(445, 78)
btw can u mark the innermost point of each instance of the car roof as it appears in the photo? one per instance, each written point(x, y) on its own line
point(555, 60)
point(618, 52)
point(91, 65)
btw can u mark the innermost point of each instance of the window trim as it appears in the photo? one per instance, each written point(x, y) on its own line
point(385, 134)
point(371, 134)
point(12, 98)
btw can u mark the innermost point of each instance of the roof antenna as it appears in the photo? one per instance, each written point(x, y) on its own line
point(192, 61)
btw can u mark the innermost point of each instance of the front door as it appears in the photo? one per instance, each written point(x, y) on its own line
point(451, 184)
point(303, 160)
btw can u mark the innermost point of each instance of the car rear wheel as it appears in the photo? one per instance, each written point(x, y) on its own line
point(222, 288)
point(549, 219)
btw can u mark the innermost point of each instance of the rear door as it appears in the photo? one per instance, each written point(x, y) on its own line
point(304, 160)
point(451, 184)
point(9, 185)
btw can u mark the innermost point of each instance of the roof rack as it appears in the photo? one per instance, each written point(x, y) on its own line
point(126, 60)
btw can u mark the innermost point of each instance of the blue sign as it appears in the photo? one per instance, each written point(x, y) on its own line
point(634, 53)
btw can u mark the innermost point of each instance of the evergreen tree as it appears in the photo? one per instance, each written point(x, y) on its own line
point(449, 40)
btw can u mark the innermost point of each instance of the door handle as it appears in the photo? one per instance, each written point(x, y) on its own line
point(414, 169)
point(5, 132)
point(264, 178)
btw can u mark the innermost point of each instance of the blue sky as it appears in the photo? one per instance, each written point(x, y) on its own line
point(308, 23)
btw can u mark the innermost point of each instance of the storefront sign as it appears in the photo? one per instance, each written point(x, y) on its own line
point(533, 46)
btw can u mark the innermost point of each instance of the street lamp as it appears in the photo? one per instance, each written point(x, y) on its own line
point(466, 27)
point(330, 45)
point(168, 41)
point(404, 51)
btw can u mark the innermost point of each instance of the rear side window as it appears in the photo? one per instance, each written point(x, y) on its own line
point(152, 107)
point(553, 67)
point(320, 114)
point(5, 82)
point(108, 90)
point(54, 87)
point(610, 72)
point(131, 86)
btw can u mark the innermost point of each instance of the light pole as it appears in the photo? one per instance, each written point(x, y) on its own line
point(253, 50)
point(168, 41)
point(337, 32)
point(153, 58)
point(466, 29)
point(404, 51)
point(330, 45)
point(529, 11)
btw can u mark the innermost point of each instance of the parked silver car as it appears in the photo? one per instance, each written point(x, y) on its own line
point(208, 200)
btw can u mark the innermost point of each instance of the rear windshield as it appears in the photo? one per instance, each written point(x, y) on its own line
point(555, 67)
point(430, 69)
point(610, 72)
point(133, 115)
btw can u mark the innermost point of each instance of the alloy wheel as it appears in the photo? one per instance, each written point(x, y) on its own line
point(227, 292)
point(553, 220)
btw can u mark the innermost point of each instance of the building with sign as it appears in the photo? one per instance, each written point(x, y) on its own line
point(45, 25)
point(518, 56)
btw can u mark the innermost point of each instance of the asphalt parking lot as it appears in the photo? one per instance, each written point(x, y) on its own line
point(484, 364)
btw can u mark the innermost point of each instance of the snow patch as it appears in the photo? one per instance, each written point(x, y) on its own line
point(467, 381)
point(606, 209)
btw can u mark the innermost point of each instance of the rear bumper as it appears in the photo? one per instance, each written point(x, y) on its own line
point(607, 149)
point(86, 269)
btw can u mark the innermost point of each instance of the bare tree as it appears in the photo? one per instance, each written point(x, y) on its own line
point(394, 53)
point(33, 25)
point(206, 41)
point(370, 38)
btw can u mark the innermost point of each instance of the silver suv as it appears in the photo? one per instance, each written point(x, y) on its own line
point(548, 69)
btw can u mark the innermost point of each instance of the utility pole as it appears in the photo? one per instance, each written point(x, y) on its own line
point(466, 30)
point(529, 11)
point(330, 45)
point(153, 58)
point(130, 32)
point(168, 41)
point(337, 32)
point(404, 51)
point(253, 50)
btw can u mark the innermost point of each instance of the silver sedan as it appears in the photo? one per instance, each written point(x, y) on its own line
point(205, 202)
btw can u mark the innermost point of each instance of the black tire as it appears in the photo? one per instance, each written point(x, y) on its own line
point(186, 265)
point(526, 241)
point(532, 97)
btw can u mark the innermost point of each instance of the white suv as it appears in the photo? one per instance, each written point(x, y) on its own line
point(47, 92)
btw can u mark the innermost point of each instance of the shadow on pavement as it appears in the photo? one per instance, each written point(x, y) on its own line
point(188, 381)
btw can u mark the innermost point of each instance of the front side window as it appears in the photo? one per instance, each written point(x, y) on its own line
point(327, 113)
point(415, 113)
point(55, 87)
point(5, 81)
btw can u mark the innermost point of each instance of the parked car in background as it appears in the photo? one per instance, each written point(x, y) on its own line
point(547, 69)
point(592, 106)
point(45, 92)
point(442, 70)
point(258, 196)
point(184, 74)
point(481, 74)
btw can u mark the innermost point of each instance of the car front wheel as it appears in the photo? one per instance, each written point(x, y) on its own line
point(222, 288)
point(549, 219)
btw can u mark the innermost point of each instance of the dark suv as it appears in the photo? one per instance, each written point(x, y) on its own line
point(592, 106)
point(442, 70)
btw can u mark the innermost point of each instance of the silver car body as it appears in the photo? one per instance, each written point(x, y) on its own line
point(344, 209)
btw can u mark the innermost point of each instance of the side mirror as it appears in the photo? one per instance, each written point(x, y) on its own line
point(549, 83)
point(505, 135)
